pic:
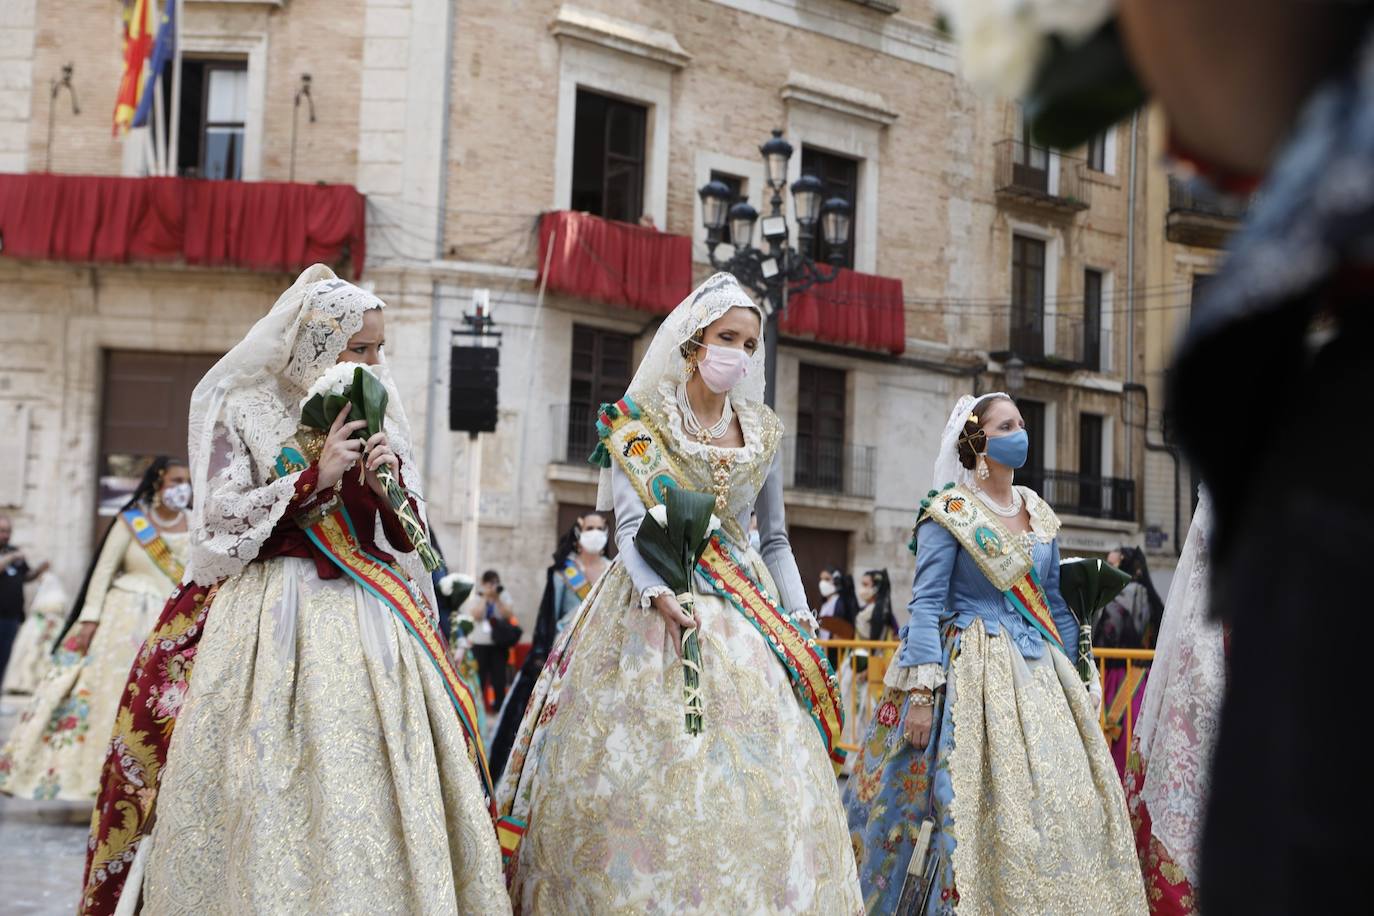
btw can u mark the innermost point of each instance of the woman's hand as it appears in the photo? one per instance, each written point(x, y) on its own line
point(341, 451)
point(675, 618)
point(378, 452)
point(916, 726)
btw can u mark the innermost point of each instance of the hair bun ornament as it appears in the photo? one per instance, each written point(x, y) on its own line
point(973, 418)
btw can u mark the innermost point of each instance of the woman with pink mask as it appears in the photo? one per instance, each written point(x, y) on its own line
point(607, 803)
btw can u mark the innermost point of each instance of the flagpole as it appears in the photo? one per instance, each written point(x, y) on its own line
point(174, 128)
point(149, 78)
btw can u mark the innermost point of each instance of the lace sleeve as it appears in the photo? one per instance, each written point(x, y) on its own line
point(240, 508)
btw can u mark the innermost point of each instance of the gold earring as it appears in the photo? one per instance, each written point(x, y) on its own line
point(983, 472)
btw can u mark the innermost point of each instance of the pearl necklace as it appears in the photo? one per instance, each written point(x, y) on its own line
point(161, 519)
point(1011, 510)
point(693, 427)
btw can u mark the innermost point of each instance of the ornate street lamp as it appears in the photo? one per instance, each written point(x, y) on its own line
point(779, 269)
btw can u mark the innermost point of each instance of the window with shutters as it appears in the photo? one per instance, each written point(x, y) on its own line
point(212, 118)
point(1090, 484)
point(840, 175)
point(602, 366)
point(820, 440)
point(608, 157)
point(1037, 433)
point(1027, 296)
point(1092, 319)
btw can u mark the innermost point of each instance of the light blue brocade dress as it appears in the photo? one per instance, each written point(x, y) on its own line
point(1029, 815)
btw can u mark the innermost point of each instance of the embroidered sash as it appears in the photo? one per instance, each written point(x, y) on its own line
point(1123, 700)
point(636, 446)
point(1001, 556)
point(150, 539)
point(335, 536)
point(577, 579)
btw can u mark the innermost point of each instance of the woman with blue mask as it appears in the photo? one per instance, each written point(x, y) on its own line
point(1028, 788)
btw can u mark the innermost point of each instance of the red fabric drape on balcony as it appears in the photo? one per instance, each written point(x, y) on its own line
point(261, 225)
point(615, 263)
point(861, 310)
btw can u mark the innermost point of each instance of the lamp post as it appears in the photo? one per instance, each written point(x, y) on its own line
point(777, 269)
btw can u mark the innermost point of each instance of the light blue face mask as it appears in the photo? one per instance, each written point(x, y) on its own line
point(1009, 450)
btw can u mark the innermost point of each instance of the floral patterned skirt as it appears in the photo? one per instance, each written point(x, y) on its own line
point(317, 765)
point(627, 813)
point(1029, 814)
point(32, 654)
point(58, 746)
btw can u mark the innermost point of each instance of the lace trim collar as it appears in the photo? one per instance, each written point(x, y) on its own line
point(1044, 523)
point(749, 423)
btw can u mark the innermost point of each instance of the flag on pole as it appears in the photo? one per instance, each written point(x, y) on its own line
point(163, 48)
point(138, 41)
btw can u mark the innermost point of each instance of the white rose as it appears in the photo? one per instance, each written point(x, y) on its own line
point(659, 514)
point(713, 525)
point(334, 380)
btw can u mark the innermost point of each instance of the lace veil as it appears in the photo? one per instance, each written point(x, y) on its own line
point(1181, 712)
point(663, 361)
point(248, 405)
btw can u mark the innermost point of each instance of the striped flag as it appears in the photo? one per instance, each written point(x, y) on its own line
point(138, 41)
point(161, 54)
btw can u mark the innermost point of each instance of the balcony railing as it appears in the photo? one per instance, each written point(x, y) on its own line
point(1035, 175)
point(827, 465)
point(1200, 216)
point(573, 428)
point(1078, 344)
point(1079, 494)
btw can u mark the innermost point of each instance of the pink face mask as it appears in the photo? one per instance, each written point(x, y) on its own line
point(722, 368)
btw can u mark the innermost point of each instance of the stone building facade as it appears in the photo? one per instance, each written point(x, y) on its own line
point(462, 123)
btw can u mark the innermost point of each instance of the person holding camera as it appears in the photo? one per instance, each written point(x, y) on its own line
point(494, 632)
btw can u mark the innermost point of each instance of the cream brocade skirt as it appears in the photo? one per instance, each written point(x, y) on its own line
point(630, 814)
point(317, 765)
point(58, 747)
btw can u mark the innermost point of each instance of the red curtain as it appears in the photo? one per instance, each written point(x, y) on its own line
point(615, 263)
point(259, 225)
point(861, 310)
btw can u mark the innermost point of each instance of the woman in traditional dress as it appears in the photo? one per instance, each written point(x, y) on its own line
point(861, 678)
point(620, 808)
point(32, 653)
point(56, 750)
point(1169, 774)
point(1129, 621)
point(986, 728)
point(323, 757)
point(577, 563)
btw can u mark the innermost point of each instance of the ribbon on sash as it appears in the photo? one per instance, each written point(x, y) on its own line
point(1123, 700)
point(999, 554)
point(150, 539)
point(576, 579)
point(628, 438)
point(334, 535)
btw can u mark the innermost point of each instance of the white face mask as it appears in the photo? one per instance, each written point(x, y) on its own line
point(827, 588)
point(593, 540)
point(177, 497)
point(866, 594)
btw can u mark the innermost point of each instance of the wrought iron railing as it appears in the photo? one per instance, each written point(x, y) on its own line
point(573, 431)
point(1037, 173)
point(829, 465)
point(1195, 197)
point(1080, 494)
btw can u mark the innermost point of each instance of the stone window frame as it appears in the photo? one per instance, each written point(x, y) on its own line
point(625, 60)
point(1054, 246)
point(849, 121)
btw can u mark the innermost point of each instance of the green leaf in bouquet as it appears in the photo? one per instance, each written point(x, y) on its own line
point(369, 400)
point(662, 553)
point(689, 520)
point(313, 414)
point(1087, 586)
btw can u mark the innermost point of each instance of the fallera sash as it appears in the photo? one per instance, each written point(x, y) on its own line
point(336, 538)
point(577, 579)
point(1001, 555)
point(150, 539)
point(628, 438)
